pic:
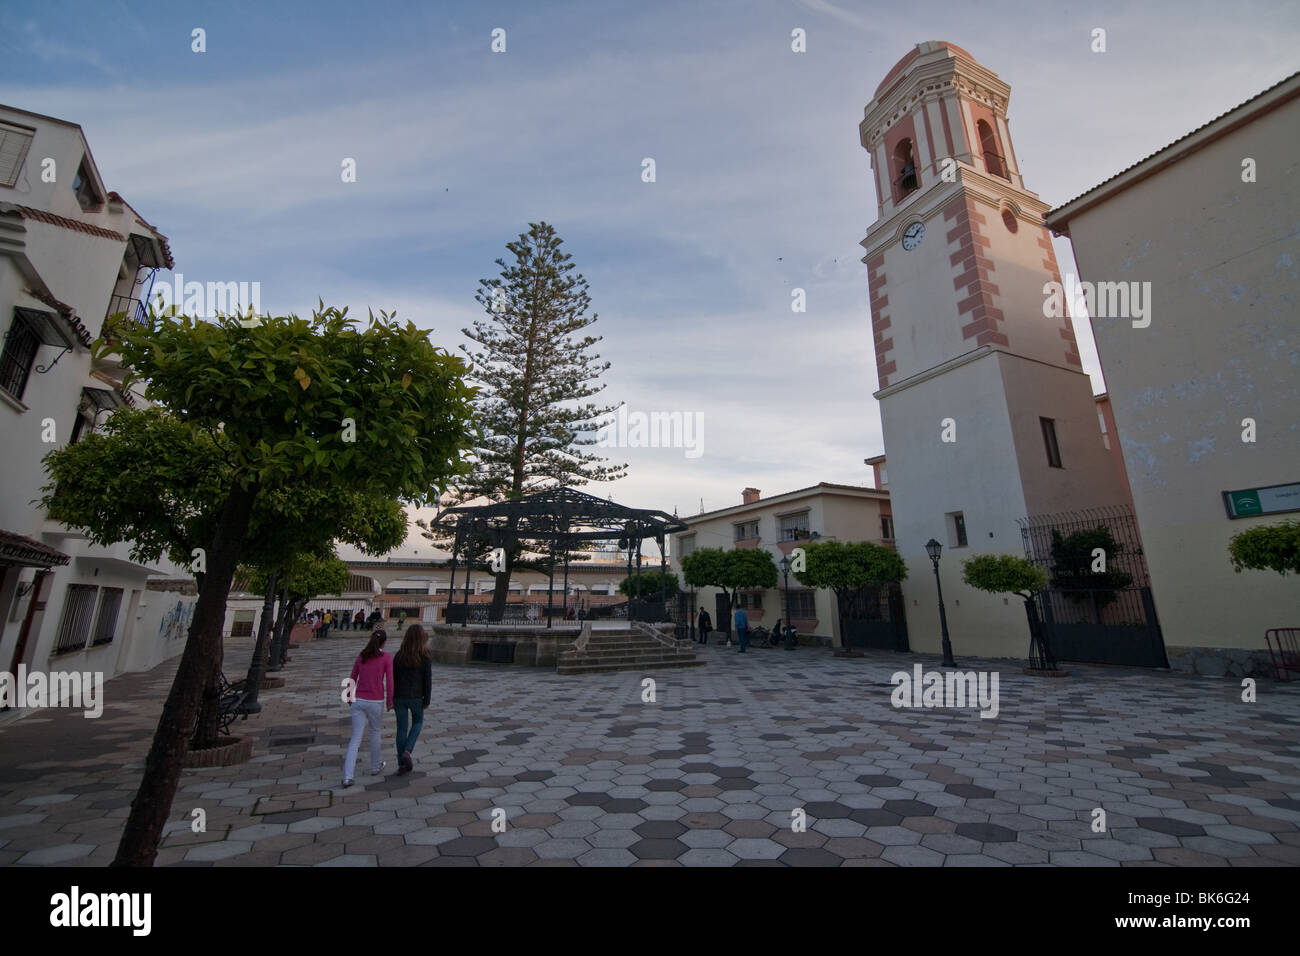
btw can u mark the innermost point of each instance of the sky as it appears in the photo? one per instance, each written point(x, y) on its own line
point(761, 185)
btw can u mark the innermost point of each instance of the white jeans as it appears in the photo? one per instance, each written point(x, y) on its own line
point(365, 713)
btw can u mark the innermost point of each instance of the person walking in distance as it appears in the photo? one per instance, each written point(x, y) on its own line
point(742, 628)
point(326, 621)
point(372, 685)
point(705, 625)
point(413, 680)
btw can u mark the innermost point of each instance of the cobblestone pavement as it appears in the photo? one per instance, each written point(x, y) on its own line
point(707, 775)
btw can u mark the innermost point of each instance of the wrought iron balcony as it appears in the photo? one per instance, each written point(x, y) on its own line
point(134, 308)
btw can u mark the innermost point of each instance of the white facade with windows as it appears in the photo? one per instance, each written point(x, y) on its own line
point(71, 253)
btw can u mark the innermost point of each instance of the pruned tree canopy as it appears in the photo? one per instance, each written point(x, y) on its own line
point(1004, 574)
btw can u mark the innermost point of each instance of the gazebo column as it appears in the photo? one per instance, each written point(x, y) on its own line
point(566, 580)
point(451, 591)
point(469, 570)
point(550, 586)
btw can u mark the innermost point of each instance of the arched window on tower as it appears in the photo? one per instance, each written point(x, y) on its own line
point(993, 161)
point(905, 168)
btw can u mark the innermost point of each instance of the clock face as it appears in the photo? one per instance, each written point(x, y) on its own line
point(913, 236)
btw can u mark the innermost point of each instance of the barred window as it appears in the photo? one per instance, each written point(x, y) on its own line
point(110, 602)
point(746, 530)
point(803, 605)
point(19, 354)
point(794, 527)
point(74, 626)
point(750, 600)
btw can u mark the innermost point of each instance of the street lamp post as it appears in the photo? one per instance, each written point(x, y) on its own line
point(785, 573)
point(933, 549)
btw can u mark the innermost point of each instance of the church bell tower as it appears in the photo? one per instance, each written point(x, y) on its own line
point(988, 416)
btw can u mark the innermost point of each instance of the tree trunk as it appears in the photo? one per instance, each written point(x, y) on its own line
point(256, 667)
point(281, 633)
point(206, 729)
point(200, 660)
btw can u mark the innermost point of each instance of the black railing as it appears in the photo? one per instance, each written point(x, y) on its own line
point(134, 308)
point(1040, 532)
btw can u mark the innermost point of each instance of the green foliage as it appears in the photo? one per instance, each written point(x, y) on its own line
point(307, 575)
point(1004, 574)
point(729, 570)
point(844, 566)
point(147, 478)
point(1267, 548)
point(1072, 564)
point(282, 391)
point(151, 479)
point(652, 584)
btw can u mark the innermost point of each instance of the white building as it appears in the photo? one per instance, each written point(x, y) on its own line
point(987, 415)
point(71, 253)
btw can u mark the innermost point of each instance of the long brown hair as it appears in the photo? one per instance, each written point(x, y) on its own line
point(372, 648)
point(414, 650)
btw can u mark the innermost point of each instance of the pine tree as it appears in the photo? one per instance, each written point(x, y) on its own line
point(535, 368)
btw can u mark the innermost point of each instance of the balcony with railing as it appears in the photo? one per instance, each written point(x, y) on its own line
point(135, 309)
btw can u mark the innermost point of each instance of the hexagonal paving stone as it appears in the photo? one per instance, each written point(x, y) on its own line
point(587, 799)
point(810, 856)
point(875, 818)
point(912, 856)
point(987, 832)
point(218, 851)
point(879, 780)
point(756, 849)
point(1173, 827)
point(655, 849)
point(823, 810)
point(660, 829)
point(65, 852)
point(909, 808)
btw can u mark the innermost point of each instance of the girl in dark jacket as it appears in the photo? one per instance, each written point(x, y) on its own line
point(413, 689)
point(705, 625)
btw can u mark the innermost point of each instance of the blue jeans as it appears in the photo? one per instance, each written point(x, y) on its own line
point(408, 709)
point(743, 634)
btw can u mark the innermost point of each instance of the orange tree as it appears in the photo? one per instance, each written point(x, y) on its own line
point(375, 409)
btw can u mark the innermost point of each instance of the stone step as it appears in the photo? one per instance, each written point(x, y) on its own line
point(576, 659)
point(624, 645)
point(610, 668)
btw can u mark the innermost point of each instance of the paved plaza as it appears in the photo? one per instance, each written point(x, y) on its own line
point(706, 775)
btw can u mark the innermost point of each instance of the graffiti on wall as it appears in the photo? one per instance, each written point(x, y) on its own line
point(176, 622)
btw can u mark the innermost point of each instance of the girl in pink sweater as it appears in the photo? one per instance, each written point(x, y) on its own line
point(372, 682)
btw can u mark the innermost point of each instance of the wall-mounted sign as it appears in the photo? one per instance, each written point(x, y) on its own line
point(1274, 499)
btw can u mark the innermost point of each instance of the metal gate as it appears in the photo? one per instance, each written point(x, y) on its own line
point(873, 617)
point(1097, 608)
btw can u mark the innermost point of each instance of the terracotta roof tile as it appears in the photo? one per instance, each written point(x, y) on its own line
point(17, 549)
point(27, 212)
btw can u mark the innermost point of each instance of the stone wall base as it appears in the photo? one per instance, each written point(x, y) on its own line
point(1220, 661)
